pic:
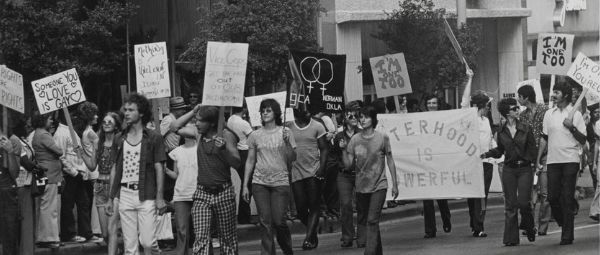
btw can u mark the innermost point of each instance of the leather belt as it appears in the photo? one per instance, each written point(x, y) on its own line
point(131, 185)
point(214, 189)
point(518, 163)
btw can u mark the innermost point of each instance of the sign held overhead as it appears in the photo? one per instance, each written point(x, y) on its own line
point(58, 91)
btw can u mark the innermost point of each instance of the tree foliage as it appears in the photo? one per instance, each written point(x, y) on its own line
point(42, 37)
point(417, 30)
point(270, 27)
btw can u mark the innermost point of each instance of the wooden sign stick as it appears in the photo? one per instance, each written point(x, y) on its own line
point(70, 124)
point(397, 103)
point(578, 103)
point(221, 121)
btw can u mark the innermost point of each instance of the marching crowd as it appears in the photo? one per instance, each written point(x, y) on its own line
point(134, 175)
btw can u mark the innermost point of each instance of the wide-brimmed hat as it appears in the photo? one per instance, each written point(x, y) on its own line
point(177, 103)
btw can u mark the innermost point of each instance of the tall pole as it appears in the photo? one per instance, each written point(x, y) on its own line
point(461, 12)
point(128, 59)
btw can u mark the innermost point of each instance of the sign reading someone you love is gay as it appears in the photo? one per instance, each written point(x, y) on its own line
point(152, 70)
point(58, 91)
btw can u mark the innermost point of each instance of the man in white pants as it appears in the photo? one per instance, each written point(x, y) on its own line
point(138, 177)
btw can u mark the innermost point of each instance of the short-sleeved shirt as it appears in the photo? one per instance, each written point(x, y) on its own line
point(307, 151)
point(534, 118)
point(369, 154)
point(186, 160)
point(241, 128)
point(562, 145)
point(271, 162)
point(171, 139)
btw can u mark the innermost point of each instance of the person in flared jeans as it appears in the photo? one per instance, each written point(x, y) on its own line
point(307, 194)
point(541, 199)
point(271, 203)
point(369, 206)
point(516, 184)
point(345, 184)
point(562, 178)
point(429, 217)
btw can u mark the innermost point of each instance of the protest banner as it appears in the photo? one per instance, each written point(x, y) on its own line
point(11, 89)
point(253, 104)
point(152, 70)
point(225, 74)
point(537, 88)
point(390, 76)
point(323, 77)
point(436, 153)
point(554, 53)
point(58, 91)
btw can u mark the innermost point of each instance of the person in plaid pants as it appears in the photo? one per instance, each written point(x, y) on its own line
point(214, 196)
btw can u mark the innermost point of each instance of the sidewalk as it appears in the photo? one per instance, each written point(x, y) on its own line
point(250, 232)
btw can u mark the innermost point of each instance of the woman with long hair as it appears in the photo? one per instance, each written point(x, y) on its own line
point(368, 153)
point(270, 149)
point(110, 132)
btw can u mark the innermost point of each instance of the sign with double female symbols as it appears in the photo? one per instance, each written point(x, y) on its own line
point(390, 75)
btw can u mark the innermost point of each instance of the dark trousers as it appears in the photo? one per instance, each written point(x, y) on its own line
point(9, 220)
point(562, 179)
point(331, 199)
point(429, 214)
point(244, 213)
point(307, 194)
point(75, 193)
point(28, 217)
point(271, 203)
point(345, 185)
point(183, 219)
point(369, 207)
point(516, 184)
point(477, 205)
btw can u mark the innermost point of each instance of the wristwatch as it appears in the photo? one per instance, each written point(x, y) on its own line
point(573, 129)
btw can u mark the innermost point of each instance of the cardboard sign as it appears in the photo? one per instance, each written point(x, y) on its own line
point(11, 89)
point(152, 70)
point(436, 153)
point(554, 53)
point(586, 72)
point(225, 74)
point(58, 91)
point(537, 88)
point(390, 75)
point(323, 77)
point(253, 104)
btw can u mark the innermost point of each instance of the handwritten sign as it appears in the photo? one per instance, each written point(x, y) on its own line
point(585, 72)
point(436, 153)
point(554, 53)
point(537, 88)
point(253, 104)
point(152, 70)
point(11, 89)
point(58, 91)
point(225, 74)
point(390, 75)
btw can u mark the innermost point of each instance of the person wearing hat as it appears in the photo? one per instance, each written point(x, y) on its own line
point(477, 205)
point(177, 108)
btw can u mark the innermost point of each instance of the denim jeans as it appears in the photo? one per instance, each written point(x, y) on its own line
point(307, 194)
point(429, 214)
point(541, 199)
point(477, 205)
point(369, 207)
point(271, 203)
point(331, 200)
point(183, 219)
point(345, 184)
point(75, 193)
point(516, 184)
point(9, 220)
point(562, 178)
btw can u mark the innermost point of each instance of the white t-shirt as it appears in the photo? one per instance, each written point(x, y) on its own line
point(186, 160)
point(562, 145)
point(131, 162)
point(241, 128)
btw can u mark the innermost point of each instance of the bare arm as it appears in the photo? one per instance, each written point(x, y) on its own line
point(172, 173)
point(249, 168)
point(541, 151)
point(230, 152)
point(323, 152)
point(184, 119)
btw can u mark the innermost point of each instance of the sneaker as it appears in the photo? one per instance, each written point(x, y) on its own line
point(216, 243)
point(95, 239)
point(76, 239)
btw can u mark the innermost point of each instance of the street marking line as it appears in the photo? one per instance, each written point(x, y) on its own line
point(577, 228)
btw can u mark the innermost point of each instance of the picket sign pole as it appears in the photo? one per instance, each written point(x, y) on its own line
point(70, 124)
point(552, 82)
point(397, 103)
point(221, 121)
point(578, 103)
point(156, 113)
point(5, 127)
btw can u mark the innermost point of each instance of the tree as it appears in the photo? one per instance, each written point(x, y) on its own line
point(416, 29)
point(42, 37)
point(270, 27)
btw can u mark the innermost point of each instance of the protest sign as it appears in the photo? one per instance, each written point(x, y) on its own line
point(586, 72)
point(537, 88)
point(323, 77)
point(58, 91)
point(152, 70)
point(436, 153)
point(253, 104)
point(11, 89)
point(225, 74)
point(390, 75)
point(554, 53)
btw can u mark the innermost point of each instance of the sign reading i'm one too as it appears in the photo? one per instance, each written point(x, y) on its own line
point(11, 89)
point(152, 70)
point(390, 75)
point(225, 74)
point(58, 91)
point(554, 53)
